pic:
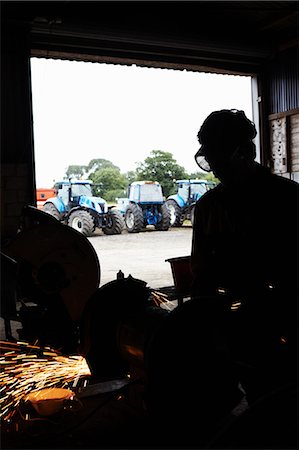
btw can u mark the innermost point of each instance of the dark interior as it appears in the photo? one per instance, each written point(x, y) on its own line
point(256, 38)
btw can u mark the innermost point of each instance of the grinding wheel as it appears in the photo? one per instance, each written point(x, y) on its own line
point(61, 260)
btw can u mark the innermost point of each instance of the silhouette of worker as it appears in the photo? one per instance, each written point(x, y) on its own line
point(245, 254)
point(238, 333)
point(245, 237)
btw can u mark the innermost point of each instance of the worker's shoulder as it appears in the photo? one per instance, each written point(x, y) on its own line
point(211, 195)
point(284, 185)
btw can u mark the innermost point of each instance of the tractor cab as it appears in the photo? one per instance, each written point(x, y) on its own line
point(191, 190)
point(181, 205)
point(146, 192)
point(71, 192)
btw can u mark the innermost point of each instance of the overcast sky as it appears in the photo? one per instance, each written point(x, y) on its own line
point(83, 111)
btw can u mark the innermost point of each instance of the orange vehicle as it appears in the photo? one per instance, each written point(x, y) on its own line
point(42, 194)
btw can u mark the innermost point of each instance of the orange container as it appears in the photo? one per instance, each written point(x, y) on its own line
point(42, 194)
point(181, 272)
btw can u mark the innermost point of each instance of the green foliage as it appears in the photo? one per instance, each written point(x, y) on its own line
point(112, 195)
point(131, 176)
point(204, 176)
point(100, 163)
point(109, 178)
point(162, 167)
point(75, 171)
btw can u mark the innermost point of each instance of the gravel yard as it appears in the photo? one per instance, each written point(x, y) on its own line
point(142, 254)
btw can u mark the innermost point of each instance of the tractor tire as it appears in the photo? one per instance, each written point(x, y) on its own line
point(176, 219)
point(164, 224)
point(52, 210)
point(192, 216)
point(82, 221)
point(115, 222)
point(134, 218)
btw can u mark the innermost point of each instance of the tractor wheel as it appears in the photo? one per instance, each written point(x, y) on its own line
point(82, 221)
point(175, 213)
point(115, 222)
point(52, 210)
point(164, 224)
point(134, 218)
point(192, 216)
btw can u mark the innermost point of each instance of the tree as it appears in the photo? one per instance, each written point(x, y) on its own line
point(100, 163)
point(131, 176)
point(109, 179)
point(162, 167)
point(111, 196)
point(75, 171)
point(204, 176)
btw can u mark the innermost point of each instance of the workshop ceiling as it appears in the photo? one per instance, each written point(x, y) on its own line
point(234, 36)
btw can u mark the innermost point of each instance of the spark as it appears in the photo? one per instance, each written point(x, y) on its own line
point(159, 298)
point(235, 305)
point(221, 290)
point(28, 368)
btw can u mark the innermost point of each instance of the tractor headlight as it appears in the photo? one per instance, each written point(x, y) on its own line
point(103, 207)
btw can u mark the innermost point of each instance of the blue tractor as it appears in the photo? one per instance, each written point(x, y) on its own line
point(144, 206)
point(181, 205)
point(75, 205)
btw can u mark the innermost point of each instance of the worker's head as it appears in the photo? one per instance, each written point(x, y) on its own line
point(226, 140)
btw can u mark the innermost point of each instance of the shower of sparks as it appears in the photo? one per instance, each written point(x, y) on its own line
point(28, 368)
point(159, 298)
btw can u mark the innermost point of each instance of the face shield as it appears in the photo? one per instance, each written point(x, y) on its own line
point(201, 161)
point(220, 164)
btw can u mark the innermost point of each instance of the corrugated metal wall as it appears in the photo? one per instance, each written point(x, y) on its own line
point(282, 103)
point(283, 90)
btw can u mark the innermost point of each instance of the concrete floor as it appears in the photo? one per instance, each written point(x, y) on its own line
point(142, 254)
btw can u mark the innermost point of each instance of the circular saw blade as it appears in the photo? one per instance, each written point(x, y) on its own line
point(70, 251)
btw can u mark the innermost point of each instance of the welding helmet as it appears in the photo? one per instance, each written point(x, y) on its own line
point(222, 135)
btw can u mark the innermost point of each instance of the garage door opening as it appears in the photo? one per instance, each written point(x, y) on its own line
point(90, 114)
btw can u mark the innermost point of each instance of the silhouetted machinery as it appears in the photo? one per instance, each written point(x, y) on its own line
point(53, 272)
point(51, 278)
